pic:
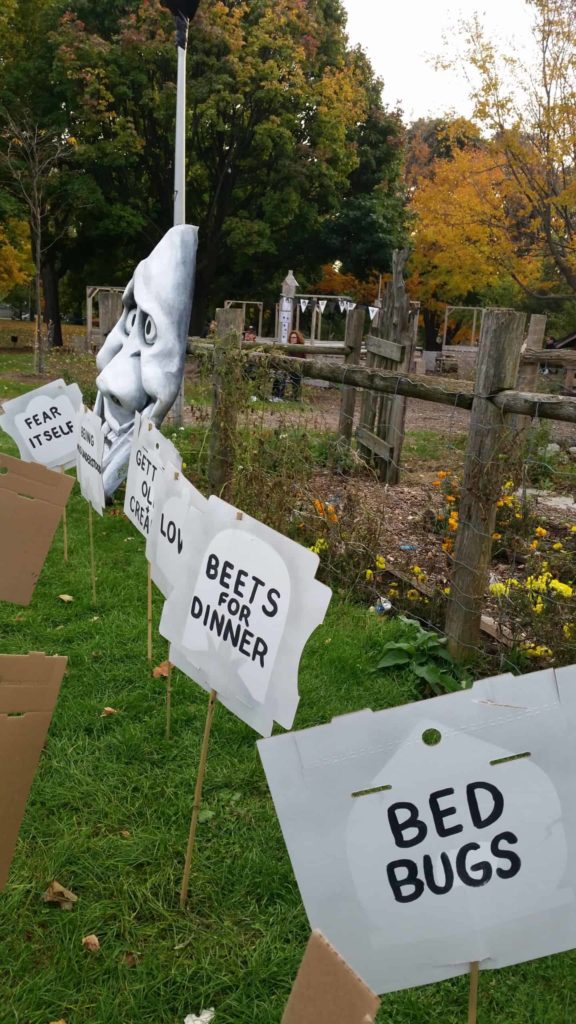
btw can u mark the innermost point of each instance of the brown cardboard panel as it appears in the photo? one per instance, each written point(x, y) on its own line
point(32, 499)
point(29, 686)
point(327, 990)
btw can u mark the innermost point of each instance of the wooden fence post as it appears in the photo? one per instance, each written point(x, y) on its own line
point(229, 324)
point(353, 346)
point(528, 372)
point(498, 361)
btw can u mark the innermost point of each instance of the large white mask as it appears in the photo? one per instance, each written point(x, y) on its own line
point(141, 363)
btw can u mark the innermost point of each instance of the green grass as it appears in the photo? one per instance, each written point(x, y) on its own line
point(238, 945)
point(429, 446)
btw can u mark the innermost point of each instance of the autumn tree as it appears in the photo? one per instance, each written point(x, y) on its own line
point(527, 110)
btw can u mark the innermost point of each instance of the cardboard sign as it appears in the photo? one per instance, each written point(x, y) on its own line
point(90, 453)
point(327, 990)
point(177, 506)
point(416, 860)
point(32, 500)
point(235, 618)
point(29, 686)
point(43, 423)
point(149, 454)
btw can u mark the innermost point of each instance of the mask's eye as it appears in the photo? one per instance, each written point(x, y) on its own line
point(130, 320)
point(149, 331)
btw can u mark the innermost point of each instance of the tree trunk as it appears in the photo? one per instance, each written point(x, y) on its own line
point(431, 328)
point(52, 304)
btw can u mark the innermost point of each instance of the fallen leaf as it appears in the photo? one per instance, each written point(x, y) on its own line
point(205, 1017)
point(107, 712)
point(163, 669)
point(56, 893)
point(61, 1021)
point(65, 597)
point(91, 943)
point(130, 959)
point(205, 815)
point(125, 833)
point(95, 618)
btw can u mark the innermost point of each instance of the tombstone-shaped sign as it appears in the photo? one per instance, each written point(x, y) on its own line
point(327, 990)
point(241, 613)
point(43, 423)
point(177, 505)
point(430, 836)
point(29, 686)
point(150, 452)
point(32, 500)
point(90, 452)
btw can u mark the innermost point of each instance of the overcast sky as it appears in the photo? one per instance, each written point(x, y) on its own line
point(399, 35)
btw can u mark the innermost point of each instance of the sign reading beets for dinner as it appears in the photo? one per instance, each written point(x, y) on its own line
point(430, 836)
point(240, 614)
point(43, 423)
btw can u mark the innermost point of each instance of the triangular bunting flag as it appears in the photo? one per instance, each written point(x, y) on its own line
point(351, 306)
point(373, 310)
point(343, 305)
point(322, 304)
point(303, 305)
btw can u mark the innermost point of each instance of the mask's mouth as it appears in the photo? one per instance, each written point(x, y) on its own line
point(117, 420)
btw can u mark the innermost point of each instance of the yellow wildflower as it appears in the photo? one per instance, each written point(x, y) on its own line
point(446, 590)
point(538, 607)
point(568, 631)
point(380, 562)
point(436, 483)
point(496, 536)
point(450, 499)
point(540, 532)
point(534, 545)
point(369, 575)
point(412, 595)
point(562, 589)
point(319, 506)
point(573, 529)
point(558, 546)
point(499, 589)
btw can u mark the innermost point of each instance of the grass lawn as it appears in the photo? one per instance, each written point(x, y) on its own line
point(109, 813)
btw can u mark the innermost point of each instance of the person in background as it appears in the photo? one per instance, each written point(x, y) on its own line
point(249, 335)
point(295, 376)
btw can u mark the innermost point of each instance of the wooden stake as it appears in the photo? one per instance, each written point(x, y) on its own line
point(64, 526)
point(197, 798)
point(473, 999)
point(92, 560)
point(149, 613)
point(168, 700)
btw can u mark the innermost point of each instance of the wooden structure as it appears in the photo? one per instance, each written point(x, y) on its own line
point(109, 302)
point(381, 431)
point(245, 304)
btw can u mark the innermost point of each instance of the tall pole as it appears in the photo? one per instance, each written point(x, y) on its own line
point(180, 148)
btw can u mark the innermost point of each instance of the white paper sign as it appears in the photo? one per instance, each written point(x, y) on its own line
point(177, 506)
point(44, 422)
point(90, 452)
point(150, 452)
point(236, 619)
point(415, 859)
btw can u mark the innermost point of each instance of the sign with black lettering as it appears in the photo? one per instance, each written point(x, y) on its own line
point(44, 422)
point(89, 455)
point(431, 836)
point(177, 507)
point(235, 619)
point(149, 454)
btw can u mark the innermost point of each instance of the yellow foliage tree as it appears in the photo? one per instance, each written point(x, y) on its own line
point(16, 265)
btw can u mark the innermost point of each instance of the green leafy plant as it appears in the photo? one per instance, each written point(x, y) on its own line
point(425, 654)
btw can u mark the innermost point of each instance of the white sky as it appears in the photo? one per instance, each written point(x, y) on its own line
point(399, 35)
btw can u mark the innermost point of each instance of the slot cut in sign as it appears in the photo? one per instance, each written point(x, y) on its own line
point(44, 422)
point(439, 835)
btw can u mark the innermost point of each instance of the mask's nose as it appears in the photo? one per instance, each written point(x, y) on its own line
point(121, 379)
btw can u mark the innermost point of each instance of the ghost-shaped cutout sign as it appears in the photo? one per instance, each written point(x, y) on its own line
point(430, 836)
point(44, 422)
point(149, 454)
point(235, 619)
point(90, 452)
point(141, 363)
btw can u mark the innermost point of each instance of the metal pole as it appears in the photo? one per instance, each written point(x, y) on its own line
point(180, 149)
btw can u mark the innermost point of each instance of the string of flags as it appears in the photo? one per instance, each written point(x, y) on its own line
point(336, 304)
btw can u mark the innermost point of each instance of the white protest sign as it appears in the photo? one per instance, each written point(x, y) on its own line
point(43, 423)
point(149, 454)
point(416, 860)
point(241, 613)
point(177, 505)
point(90, 452)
